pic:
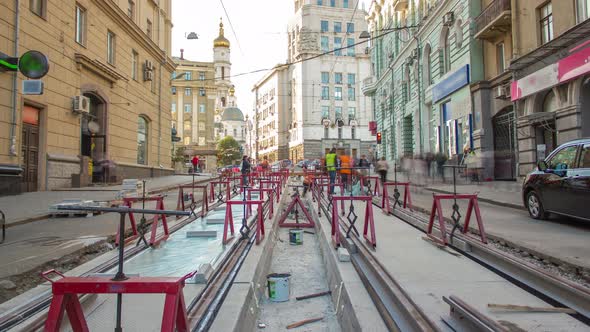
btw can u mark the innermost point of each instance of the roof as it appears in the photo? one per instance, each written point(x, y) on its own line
point(232, 114)
point(221, 41)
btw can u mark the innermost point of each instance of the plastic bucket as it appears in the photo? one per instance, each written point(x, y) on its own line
point(278, 286)
point(296, 236)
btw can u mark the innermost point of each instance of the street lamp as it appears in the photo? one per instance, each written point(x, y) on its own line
point(365, 35)
point(191, 35)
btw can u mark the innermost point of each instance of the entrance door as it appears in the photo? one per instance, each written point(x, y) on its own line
point(504, 145)
point(30, 148)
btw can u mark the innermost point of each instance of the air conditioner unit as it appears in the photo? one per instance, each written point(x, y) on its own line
point(81, 104)
point(148, 75)
point(502, 92)
point(149, 65)
point(448, 19)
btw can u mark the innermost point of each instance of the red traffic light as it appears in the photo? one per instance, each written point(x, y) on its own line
point(379, 138)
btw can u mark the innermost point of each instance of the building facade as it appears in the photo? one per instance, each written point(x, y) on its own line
point(193, 109)
point(271, 123)
point(423, 61)
point(104, 112)
point(327, 107)
point(550, 88)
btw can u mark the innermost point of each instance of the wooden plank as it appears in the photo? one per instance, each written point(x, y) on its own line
point(524, 308)
point(303, 322)
point(310, 296)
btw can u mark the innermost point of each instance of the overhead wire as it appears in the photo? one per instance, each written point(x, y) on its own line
point(232, 27)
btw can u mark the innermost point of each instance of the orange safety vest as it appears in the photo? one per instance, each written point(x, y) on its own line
point(345, 162)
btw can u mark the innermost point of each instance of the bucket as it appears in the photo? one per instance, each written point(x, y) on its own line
point(278, 286)
point(296, 236)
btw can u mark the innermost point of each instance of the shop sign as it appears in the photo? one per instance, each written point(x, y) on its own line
point(454, 82)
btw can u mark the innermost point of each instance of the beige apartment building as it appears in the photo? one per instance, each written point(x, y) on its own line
point(193, 109)
point(104, 114)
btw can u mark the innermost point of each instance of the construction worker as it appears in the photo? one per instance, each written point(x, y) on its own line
point(331, 160)
point(346, 168)
point(307, 181)
point(265, 165)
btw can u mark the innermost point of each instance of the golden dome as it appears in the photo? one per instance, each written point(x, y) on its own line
point(221, 41)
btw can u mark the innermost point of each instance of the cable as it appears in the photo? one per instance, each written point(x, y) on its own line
point(232, 27)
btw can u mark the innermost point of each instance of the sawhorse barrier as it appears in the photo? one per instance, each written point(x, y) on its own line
point(385, 202)
point(437, 210)
point(159, 199)
point(275, 185)
point(219, 196)
point(270, 192)
point(295, 204)
point(369, 220)
point(366, 180)
point(181, 198)
point(229, 219)
point(319, 193)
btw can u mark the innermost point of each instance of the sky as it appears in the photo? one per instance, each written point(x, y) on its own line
point(260, 27)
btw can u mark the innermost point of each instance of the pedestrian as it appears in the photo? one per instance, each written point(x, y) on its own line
point(331, 160)
point(363, 165)
point(382, 167)
point(245, 168)
point(346, 168)
point(265, 164)
point(195, 162)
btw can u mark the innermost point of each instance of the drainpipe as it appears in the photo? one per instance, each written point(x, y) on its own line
point(515, 29)
point(160, 110)
point(420, 85)
point(12, 141)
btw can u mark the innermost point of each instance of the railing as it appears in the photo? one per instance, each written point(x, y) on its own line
point(492, 11)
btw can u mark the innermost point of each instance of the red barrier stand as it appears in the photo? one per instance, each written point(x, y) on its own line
point(319, 193)
point(369, 220)
point(294, 203)
point(367, 179)
point(275, 185)
point(212, 190)
point(270, 192)
point(385, 205)
point(437, 210)
point(204, 204)
point(159, 199)
point(229, 220)
point(66, 290)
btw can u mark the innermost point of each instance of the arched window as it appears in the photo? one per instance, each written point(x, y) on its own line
point(445, 52)
point(550, 102)
point(142, 140)
point(427, 65)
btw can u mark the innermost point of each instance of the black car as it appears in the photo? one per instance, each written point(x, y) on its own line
point(561, 183)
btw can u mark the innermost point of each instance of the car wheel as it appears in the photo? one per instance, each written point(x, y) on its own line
point(535, 206)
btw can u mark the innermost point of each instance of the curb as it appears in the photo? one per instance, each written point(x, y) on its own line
point(481, 199)
point(40, 217)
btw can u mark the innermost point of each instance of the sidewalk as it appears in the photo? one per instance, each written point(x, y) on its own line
point(34, 206)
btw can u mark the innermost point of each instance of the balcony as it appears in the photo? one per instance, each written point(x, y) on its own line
point(369, 86)
point(494, 21)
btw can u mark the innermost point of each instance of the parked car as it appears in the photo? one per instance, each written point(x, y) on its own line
point(561, 183)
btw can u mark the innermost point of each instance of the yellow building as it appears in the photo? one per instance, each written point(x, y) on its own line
point(104, 114)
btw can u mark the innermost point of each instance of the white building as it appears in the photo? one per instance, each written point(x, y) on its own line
point(328, 108)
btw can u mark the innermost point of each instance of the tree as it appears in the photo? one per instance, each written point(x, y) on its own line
point(228, 150)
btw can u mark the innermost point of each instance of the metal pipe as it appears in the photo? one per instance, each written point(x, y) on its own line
point(515, 28)
point(160, 111)
point(12, 140)
point(123, 210)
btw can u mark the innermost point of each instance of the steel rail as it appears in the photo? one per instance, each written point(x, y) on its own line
point(398, 310)
point(18, 315)
point(551, 288)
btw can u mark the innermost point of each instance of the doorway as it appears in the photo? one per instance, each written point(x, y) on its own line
point(504, 124)
point(30, 148)
point(93, 138)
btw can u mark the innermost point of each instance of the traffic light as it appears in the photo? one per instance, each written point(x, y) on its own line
point(379, 138)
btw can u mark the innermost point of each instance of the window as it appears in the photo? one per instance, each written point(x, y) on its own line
point(131, 9)
point(338, 112)
point(427, 65)
point(142, 140)
point(350, 46)
point(345, 3)
point(339, 132)
point(351, 79)
point(134, 62)
point(500, 58)
point(174, 90)
point(222, 73)
point(187, 108)
point(202, 108)
point(325, 112)
point(325, 93)
point(235, 132)
point(445, 55)
point(546, 23)
point(349, 27)
point(80, 25)
point(352, 132)
point(585, 157)
point(320, 2)
point(202, 92)
point(188, 76)
point(325, 77)
point(563, 159)
point(582, 10)
point(325, 44)
point(38, 7)
point(337, 46)
point(187, 140)
point(188, 91)
point(337, 26)
point(201, 125)
point(173, 108)
point(187, 125)
point(338, 93)
point(148, 29)
point(201, 76)
point(332, 3)
point(111, 44)
point(326, 132)
point(351, 113)
point(338, 78)
point(324, 26)
point(351, 94)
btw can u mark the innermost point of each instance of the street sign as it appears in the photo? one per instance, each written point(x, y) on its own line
point(32, 87)
point(175, 139)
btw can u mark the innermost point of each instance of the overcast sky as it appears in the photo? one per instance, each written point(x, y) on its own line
point(260, 26)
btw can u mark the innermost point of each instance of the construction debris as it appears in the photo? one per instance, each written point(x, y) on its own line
point(310, 296)
point(304, 322)
point(524, 308)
